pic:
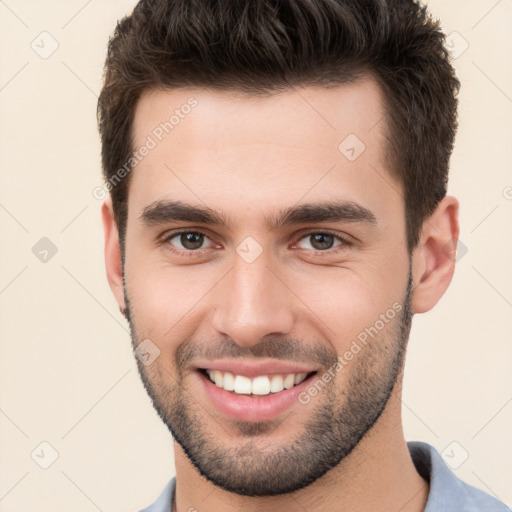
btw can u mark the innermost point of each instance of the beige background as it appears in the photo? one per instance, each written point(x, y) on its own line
point(67, 373)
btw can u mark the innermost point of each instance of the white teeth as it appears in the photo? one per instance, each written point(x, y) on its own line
point(300, 377)
point(276, 384)
point(229, 382)
point(218, 377)
point(242, 385)
point(261, 385)
point(289, 381)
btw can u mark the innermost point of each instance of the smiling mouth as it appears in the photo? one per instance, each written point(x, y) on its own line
point(257, 386)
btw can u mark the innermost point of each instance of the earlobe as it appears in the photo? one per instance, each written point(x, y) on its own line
point(434, 257)
point(113, 263)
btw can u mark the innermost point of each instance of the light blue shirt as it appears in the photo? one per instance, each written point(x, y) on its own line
point(447, 493)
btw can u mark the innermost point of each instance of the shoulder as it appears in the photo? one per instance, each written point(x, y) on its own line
point(164, 500)
point(447, 491)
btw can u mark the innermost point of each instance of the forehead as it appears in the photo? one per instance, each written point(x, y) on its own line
point(233, 150)
point(349, 108)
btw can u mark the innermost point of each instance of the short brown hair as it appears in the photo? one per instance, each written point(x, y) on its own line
point(264, 46)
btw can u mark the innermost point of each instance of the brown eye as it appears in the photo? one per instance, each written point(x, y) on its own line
point(322, 241)
point(186, 241)
point(191, 240)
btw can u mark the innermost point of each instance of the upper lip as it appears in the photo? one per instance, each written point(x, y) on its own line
point(254, 368)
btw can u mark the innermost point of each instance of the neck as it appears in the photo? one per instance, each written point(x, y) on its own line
point(377, 475)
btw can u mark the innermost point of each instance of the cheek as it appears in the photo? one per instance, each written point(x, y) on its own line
point(345, 302)
point(170, 302)
point(163, 299)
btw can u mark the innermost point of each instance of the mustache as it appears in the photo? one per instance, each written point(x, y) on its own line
point(279, 348)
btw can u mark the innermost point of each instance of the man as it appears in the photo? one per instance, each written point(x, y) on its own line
point(278, 212)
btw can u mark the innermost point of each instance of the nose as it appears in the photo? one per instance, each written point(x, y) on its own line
point(253, 303)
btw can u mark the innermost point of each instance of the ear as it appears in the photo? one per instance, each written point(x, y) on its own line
point(113, 261)
point(434, 256)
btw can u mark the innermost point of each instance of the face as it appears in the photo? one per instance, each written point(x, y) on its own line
point(266, 238)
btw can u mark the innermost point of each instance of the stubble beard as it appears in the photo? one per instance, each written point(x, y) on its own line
point(338, 420)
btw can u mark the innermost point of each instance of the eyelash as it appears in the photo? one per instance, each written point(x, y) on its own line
point(317, 252)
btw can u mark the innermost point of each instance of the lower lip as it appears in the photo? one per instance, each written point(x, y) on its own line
point(250, 407)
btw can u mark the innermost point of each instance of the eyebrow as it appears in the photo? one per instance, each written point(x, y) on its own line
point(166, 211)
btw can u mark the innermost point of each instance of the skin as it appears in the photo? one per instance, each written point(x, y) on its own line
point(248, 157)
